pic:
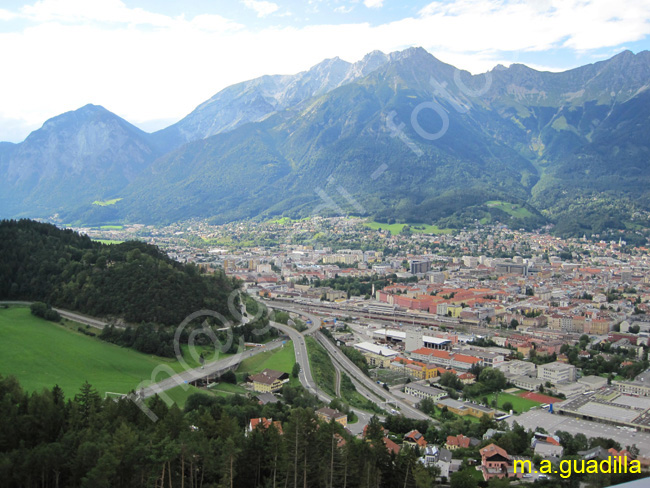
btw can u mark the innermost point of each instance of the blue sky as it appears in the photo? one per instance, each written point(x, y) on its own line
point(153, 61)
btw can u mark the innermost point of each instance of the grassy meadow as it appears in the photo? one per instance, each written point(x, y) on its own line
point(42, 354)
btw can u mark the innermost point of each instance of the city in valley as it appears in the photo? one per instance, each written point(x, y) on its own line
point(482, 332)
point(323, 244)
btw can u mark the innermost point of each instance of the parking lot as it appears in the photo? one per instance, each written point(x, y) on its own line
point(554, 422)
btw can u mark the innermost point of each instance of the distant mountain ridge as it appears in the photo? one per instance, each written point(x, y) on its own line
point(568, 148)
point(252, 101)
point(83, 155)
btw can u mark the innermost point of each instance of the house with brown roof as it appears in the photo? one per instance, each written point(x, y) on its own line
point(391, 446)
point(460, 442)
point(328, 414)
point(268, 381)
point(467, 378)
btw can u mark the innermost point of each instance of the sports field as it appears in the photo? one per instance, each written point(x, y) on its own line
point(538, 397)
point(41, 354)
point(519, 404)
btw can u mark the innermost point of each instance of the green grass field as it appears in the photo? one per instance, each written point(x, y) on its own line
point(519, 404)
point(111, 227)
point(41, 354)
point(106, 203)
point(179, 395)
point(281, 359)
point(415, 228)
point(321, 365)
point(510, 208)
point(227, 389)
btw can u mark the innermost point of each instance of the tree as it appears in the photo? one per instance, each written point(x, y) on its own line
point(450, 380)
point(295, 371)
point(499, 483)
point(231, 451)
point(493, 379)
point(507, 406)
point(427, 406)
point(463, 479)
point(40, 309)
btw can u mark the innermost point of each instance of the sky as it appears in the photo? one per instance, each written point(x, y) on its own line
point(153, 61)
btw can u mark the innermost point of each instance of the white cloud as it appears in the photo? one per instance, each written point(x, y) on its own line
point(6, 15)
point(343, 9)
point(77, 11)
point(373, 3)
point(148, 66)
point(215, 23)
point(537, 25)
point(262, 7)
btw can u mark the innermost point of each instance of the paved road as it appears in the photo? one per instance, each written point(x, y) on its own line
point(554, 422)
point(368, 383)
point(148, 388)
point(77, 317)
point(353, 371)
point(337, 386)
point(305, 376)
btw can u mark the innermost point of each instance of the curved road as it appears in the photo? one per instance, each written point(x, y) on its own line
point(305, 376)
point(351, 369)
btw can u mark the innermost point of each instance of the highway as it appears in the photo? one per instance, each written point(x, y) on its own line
point(358, 377)
point(305, 376)
point(149, 387)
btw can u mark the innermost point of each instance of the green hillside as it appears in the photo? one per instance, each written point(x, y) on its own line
point(42, 354)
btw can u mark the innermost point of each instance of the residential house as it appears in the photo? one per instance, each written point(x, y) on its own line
point(460, 442)
point(496, 463)
point(328, 414)
point(269, 381)
point(263, 423)
point(415, 439)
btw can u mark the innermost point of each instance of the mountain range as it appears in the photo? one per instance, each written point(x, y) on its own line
point(400, 136)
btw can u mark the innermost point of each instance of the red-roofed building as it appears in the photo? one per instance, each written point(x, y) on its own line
point(437, 356)
point(263, 423)
point(496, 463)
point(463, 361)
point(467, 378)
point(414, 438)
point(457, 442)
point(391, 446)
